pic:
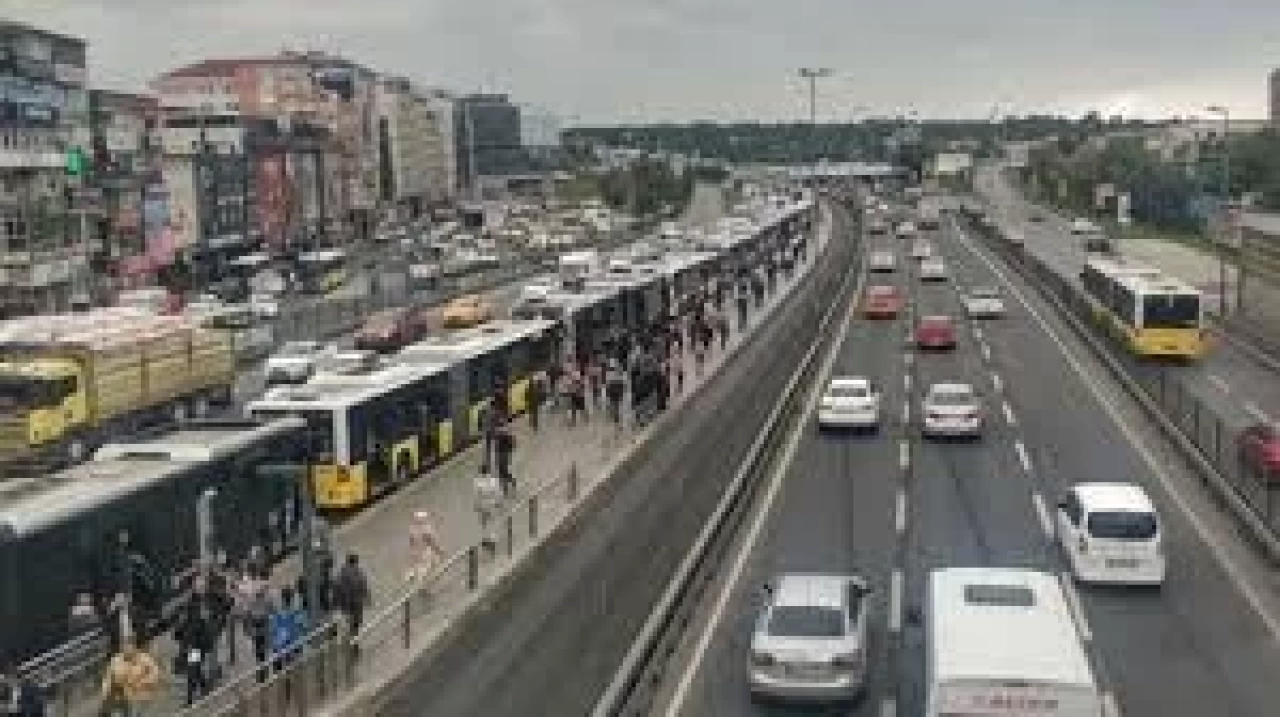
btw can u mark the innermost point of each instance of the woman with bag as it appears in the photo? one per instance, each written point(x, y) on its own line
point(488, 504)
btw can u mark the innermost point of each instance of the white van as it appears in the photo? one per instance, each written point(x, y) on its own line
point(1111, 534)
point(1001, 642)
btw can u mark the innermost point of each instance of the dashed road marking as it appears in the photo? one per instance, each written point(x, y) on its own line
point(997, 381)
point(986, 351)
point(1023, 457)
point(977, 333)
point(1221, 383)
point(1042, 514)
point(906, 413)
point(904, 454)
point(908, 357)
point(900, 512)
point(1073, 605)
point(1252, 409)
point(1009, 418)
point(895, 601)
point(906, 382)
point(888, 707)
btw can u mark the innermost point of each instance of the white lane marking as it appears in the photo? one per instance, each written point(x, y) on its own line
point(904, 454)
point(977, 333)
point(1218, 381)
point(908, 357)
point(986, 351)
point(1252, 409)
point(1023, 457)
point(1110, 707)
point(1206, 535)
point(752, 537)
point(888, 707)
point(996, 381)
point(1009, 418)
point(900, 512)
point(1073, 606)
point(906, 382)
point(1042, 514)
point(906, 413)
point(895, 601)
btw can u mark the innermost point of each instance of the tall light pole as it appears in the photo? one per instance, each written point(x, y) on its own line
point(813, 74)
point(1225, 216)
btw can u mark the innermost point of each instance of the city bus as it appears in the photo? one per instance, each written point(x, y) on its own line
point(379, 428)
point(1002, 642)
point(1153, 314)
point(320, 272)
point(132, 511)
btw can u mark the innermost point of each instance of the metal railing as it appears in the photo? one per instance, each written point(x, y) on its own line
point(1211, 438)
point(336, 662)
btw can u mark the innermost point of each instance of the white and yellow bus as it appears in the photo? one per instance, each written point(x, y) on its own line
point(1152, 313)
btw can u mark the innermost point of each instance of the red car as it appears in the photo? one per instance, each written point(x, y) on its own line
point(883, 302)
point(1260, 451)
point(935, 332)
point(390, 330)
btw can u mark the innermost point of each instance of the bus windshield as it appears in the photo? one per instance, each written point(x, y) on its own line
point(1171, 311)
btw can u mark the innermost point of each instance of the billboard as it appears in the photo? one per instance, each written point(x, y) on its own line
point(271, 210)
point(156, 223)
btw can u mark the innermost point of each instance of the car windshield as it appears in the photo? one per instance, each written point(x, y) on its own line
point(1171, 311)
point(838, 391)
point(299, 349)
point(1122, 525)
point(805, 621)
point(951, 397)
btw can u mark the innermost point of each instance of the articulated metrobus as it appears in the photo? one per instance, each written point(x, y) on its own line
point(1152, 313)
point(376, 430)
point(1001, 642)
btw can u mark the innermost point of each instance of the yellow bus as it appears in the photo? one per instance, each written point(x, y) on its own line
point(1153, 314)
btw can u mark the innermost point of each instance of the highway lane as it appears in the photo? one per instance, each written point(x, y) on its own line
point(1239, 388)
point(1195, 647)
point(836, 513)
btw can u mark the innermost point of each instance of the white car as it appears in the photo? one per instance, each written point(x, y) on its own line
point(877, 226)
point(294, 362)
point(264, 306)
point(921, 250)
point(906, 229)
point(850, 402)
point(1084, 226)
point(984, 302)
point(882, 261)
point(1111, 534)
point(952, 409)
point(933, 269)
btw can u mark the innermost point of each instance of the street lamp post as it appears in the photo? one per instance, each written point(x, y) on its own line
point(813, 74)
point(1226, 207)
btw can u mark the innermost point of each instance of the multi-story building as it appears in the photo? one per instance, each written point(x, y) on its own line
point(45, 241)
point(487, 140)
point(309, 88)
point(1273, 98)
point(444, 172)
point(411, 148)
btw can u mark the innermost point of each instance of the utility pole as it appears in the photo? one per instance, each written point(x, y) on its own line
point(1225, 215)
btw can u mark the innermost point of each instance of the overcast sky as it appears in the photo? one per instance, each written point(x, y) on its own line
point(630, 60)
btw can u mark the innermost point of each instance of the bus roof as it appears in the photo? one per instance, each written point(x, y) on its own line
point(330, 392)
point(464, 344)
point(1003, 624)
point(28, 506)
point(1138, 277)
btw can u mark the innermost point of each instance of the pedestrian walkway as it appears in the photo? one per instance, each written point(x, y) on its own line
point(395, 627)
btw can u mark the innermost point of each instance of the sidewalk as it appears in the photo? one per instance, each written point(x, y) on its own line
point(395, 629)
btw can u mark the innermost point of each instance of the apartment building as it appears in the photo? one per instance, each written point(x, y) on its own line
point(412, 144)
point(45, 243)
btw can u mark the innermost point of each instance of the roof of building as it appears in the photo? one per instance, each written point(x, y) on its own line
point(24, 27)
point(226, 67)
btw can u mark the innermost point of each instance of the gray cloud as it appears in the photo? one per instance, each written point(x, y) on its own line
point(610, 60)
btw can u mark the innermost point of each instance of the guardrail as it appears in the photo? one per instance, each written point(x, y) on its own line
point(640, 678)
point(1205, 436)
point(337, 661)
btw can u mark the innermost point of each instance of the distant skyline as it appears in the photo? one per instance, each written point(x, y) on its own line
point(607, 61)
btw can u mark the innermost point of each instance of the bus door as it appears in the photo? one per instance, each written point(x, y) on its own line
point(433, 411)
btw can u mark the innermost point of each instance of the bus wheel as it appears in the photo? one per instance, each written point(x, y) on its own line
point(403, 472)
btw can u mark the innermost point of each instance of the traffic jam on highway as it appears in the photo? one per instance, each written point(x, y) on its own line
point(972, 520)
point(125, 510)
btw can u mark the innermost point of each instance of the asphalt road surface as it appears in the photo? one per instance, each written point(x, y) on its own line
point(893, 506)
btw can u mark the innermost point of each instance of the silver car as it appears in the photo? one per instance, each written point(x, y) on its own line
point(810, 640)
point(952, 410)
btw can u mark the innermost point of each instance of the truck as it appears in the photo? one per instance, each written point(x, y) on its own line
point(70, 382)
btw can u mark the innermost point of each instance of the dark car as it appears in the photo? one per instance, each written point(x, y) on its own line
point(391, 330)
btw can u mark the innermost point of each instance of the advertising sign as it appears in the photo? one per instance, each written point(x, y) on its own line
point(271, 210)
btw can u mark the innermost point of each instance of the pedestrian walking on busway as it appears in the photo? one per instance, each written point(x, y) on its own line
point(196, 635)
point(84, 617)
point(574, 392)
point(21, 697)
point(555, 375)
point(425, 551)
point(489, 419)
point(351, 594)
point(595, 379)
point(615, 389)
point(504, 445)
point(489, 500)
point(288, 626)
point(744, 306)
point(638, 376)
point(721, 320)
point(535, 397)
point(131, 682)
point(254, 608)
point(757, 288)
